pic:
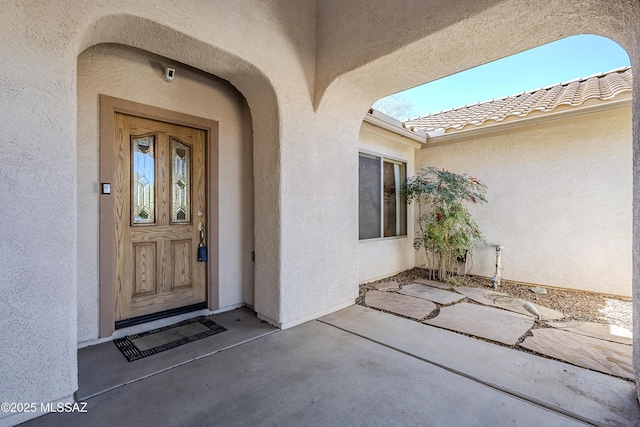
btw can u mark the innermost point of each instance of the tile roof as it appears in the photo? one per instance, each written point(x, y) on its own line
point(574, 93)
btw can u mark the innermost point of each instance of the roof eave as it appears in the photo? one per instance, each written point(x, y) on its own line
point(435, 140)
point(383, 121)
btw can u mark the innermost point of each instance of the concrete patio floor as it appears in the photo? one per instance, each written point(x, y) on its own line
point(354, 367)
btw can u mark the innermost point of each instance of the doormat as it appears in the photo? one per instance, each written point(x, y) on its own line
point(145, 344)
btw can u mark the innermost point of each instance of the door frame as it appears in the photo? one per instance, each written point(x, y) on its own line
point(109, 106)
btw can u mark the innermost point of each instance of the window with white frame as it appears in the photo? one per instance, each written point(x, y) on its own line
point(382, 207)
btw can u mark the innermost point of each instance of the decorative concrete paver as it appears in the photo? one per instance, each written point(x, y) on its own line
point(593, 353)
point(415, 308)
point(432, 294)
point(596, 330)
point(434, 284)
point(486, 322)
point(497, 299)
point(386, 286)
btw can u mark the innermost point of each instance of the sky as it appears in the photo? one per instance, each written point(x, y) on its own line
point(560, 61)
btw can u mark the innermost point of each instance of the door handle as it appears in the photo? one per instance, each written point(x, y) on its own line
point(201, 228)
point(202, 248)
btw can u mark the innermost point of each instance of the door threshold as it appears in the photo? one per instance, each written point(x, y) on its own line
point(120, 324)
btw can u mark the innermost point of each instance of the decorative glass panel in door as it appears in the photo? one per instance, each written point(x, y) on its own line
point(143, 180)
point(180, 181)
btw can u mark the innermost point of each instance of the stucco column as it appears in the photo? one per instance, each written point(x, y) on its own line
point(634, 53)
point(38, 361)
point(318, 216)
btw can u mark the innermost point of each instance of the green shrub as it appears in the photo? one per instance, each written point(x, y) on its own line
point(446, 230)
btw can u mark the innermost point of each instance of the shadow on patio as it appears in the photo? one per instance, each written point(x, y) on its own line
point(357, 366)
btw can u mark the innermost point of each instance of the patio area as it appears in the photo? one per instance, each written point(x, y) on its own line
point(354, 367)
point(502, 318)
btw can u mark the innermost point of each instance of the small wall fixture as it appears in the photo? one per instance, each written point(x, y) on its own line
point(169, 73)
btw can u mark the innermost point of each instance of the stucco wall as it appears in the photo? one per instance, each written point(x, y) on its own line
point(384, 257)
point(559, 200)
point(286, 58)
point(135, 75)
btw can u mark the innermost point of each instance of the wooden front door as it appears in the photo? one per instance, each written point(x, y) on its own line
point(159, 190)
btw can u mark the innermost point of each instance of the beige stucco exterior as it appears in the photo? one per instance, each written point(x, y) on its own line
point(560, 196)
point(308, 70)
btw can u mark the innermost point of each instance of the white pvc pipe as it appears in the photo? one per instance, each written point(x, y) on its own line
point(496, 279)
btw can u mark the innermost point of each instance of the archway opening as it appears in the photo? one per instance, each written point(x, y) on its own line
point(136, 75)
point(556, 155)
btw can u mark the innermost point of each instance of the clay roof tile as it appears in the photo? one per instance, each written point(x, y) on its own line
point(602, 86)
